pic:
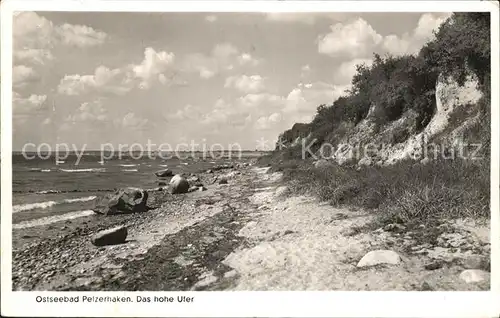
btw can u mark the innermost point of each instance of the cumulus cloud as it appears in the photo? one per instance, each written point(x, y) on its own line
point(302, 101)
point(79, 35)
point(410, 43)
point(89, 112)
point(152, 67)
point(354, 39)
point(246, 84)
point(345, 72)
point(132, 121)
point(27, 104)
point(358, 40)
point(22, 74)
point(120, 81)
point(267, 122)
point(247, 59)
point(223, 57)
point(104, 80)
point(34, 37)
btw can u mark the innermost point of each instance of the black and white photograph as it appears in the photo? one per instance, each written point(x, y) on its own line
point(250, 151)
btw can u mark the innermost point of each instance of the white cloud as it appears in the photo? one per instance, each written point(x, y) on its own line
point(22, 74)
point(345, 72)
point(206, 73)
point(267, 122)
point(358, 40)
point(247, 59)
point(27, 105)
point(35, 56)
point(211, 18)
point(246, 84)
point(104, 80)
point(34, 37)
point(302, 101)
point(221, 58)
point(89, 112)
point(132, 121)
point(153, 65)
point(79, 35)
point(120, 81)
point(412, 43)
point(354, 39)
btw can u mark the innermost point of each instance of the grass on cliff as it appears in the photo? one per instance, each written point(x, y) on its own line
point(405, 193)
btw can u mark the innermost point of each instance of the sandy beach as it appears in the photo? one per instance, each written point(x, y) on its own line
point(248, 234)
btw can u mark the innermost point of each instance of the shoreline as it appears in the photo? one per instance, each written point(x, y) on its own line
point(247, 235)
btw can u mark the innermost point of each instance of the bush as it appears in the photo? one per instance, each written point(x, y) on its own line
point(405, 192)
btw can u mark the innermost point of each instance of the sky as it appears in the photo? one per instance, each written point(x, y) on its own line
point(89, 79)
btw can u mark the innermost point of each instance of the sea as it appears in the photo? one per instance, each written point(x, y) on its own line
point(48, 190)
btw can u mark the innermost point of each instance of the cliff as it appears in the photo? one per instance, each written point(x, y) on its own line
point(415, 107)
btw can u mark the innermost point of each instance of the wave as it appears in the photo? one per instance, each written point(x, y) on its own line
point(127, 165)
point(129, 170)
point(47, 204)
point(32, 206)
point(84, 170)
point(60, 161)
point(163, 165)
point(45, 170)
point(48, 191)
point(52, 219)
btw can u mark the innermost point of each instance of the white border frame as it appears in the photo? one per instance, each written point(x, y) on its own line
point(245, 304)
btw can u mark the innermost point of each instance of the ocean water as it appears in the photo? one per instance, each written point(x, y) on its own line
point(45, 191)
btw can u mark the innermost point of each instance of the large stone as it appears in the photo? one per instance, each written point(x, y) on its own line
point(379, 257)
point(129, 200)
point(474, 275)
point(178, 184)
point(164, 173)
point(112, 236)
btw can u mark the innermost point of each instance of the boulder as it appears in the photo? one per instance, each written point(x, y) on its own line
point(129, 200)
point(379, 257)
point(202, 188)
point(162, 183)
point(178, 184)
point(222, 180)
point(474, 275)
point(112, 236)
point(164, 173)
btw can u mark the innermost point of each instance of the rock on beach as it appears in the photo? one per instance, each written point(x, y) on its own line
point(379, 257)
point(111, 236)
point(178, 184)
point(129, 200)
point(164, 173)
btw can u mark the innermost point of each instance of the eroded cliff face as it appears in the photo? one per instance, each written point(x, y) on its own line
point(367, 144)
